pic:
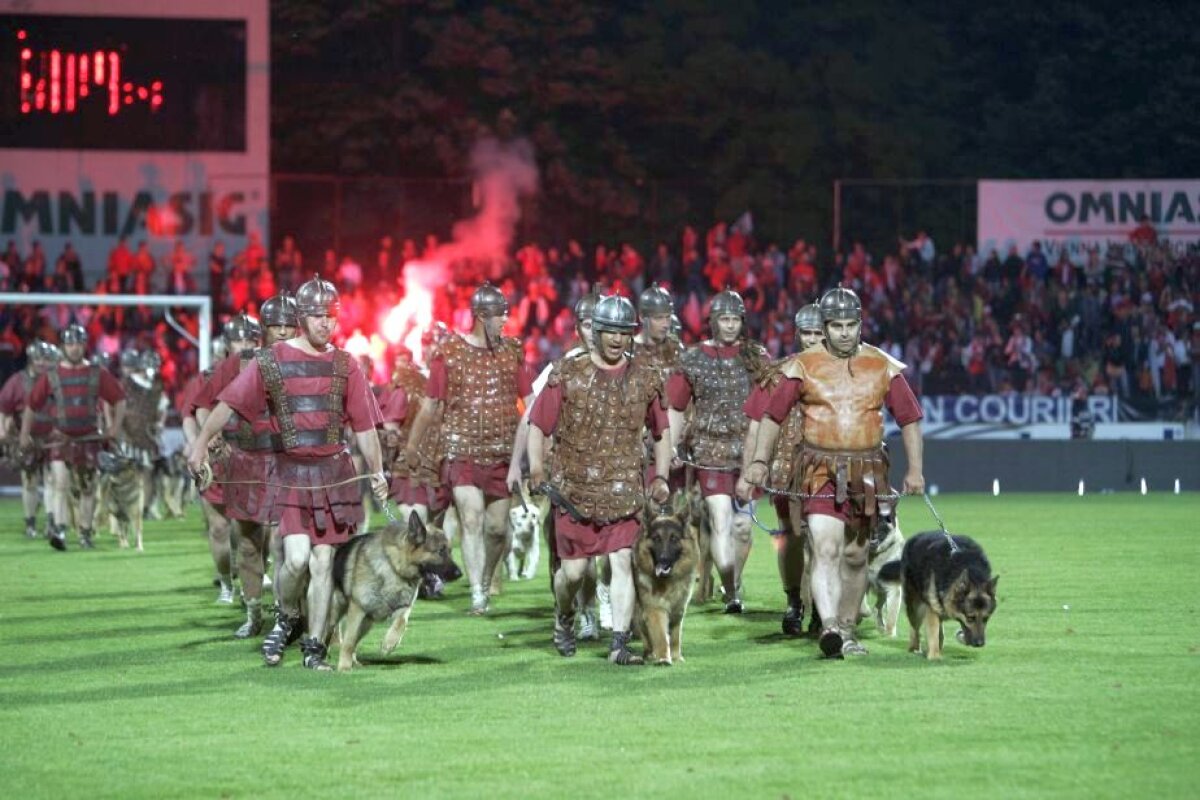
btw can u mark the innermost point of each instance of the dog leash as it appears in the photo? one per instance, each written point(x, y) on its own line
point(941, 524)
point(206, 470)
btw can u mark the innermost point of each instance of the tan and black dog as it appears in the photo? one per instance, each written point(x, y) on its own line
point(944, 577)
point(376, 577)
point(122, 495)
point(665, 559)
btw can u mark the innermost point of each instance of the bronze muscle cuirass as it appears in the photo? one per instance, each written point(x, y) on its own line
point(843, 398)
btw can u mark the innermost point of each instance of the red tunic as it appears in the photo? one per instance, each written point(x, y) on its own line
point(251, 467)
point(316, 493)
point(584, 539)
point(12, 402)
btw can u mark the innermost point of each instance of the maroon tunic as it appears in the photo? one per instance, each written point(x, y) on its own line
point(316, 493)
point(251, 466)
point(585, 539)
point(75, 408)
point(12, 402)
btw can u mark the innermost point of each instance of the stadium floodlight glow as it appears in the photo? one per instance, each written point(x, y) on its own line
point(995, 487)
point(1081, 487)
point(1177, 486)
point(201, 302)
point(1143, 485)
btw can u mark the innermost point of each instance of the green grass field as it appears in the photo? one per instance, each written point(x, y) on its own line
point(121, 679)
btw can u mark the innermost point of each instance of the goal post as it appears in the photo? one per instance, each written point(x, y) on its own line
point(203, 303)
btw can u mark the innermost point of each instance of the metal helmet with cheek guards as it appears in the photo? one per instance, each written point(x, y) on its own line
point(242, 328)
point(614, 314)
point(584, 307)
point(809, 318)
point(74, 334)
point(488, 301)
point(840, 303)
point(317, 298)
point(655, 301)
point(727, 302)
point(279, 310)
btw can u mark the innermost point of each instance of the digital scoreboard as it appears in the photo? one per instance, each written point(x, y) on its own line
point(122, 83)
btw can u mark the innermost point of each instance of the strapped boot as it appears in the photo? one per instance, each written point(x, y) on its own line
point(314, 654)
point(85, 539)
point(619, 652)
point(793, 618)
point(58, 537)
point(225, 595)
point(253, 624)
point(564, 634)
point(589, 625)
point(31, 528)
point(286, 631)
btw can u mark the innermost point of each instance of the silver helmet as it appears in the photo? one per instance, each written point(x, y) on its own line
point(317, 298)
point(727, 302)
point(809, 318)
point(654, 301)
point(488, 301)
point(74, 334)
point(279, 310)
point(585, 305)
point(150, 361)
point(242, 328)
point(614, 314)
point(130, 359)
point(840, 303)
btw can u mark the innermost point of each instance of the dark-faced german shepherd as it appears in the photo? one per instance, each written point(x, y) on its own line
point(122, 495)
point(376, 577)
point(944, 577)
point(665, 560)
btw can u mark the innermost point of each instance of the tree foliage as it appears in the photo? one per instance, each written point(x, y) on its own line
point(645, 115)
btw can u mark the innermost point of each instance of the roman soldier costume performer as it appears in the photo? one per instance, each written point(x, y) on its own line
point(790, 542)
point(88, 405)
point(476, 382)
point(312, 392)
point(418, 488)
point(715, 377)
point(597, 405)
point(656, 343)
point(842, 467)
point(31, 461)
point(243, 335)
point(145, 409)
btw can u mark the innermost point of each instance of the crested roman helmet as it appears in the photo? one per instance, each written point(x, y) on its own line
point(242, 328)
point(74, 334)
point(488, 301)
point(809, 318)
point(279, 310)
point(585, 305)
point(840, 303)
point(727, 302)
point(654, 301)
point(317, 298)
point(614, 314)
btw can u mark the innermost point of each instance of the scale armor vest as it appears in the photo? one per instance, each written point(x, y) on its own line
point(597, 457)
point(480, 419)
point(141, 414)
point(843, 410)
point(76, 396)
point(285, 401)
point(663, 357)
point(720, 387)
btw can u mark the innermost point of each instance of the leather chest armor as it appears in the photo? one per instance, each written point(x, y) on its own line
point(76, 393)
point(480, 417)
point(286, 402)
point(597, 456)
point(842, 399)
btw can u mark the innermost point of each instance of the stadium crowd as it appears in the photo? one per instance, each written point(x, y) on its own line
point(1121, 322)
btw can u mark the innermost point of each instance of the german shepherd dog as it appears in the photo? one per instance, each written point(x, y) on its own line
point(944, 577)
point(122, 495)
point(376, 577)
point(665, 560)
point(695, 516)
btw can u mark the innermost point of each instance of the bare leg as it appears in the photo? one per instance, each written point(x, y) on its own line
point(470, 504)
point(320, 590)
point(853, 574)
point(828, 539)
point(218, 544)
point(724, 552)
point(293, 573)
point(497, 537)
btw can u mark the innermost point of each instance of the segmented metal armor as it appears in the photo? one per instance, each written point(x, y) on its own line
point(597, 456)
